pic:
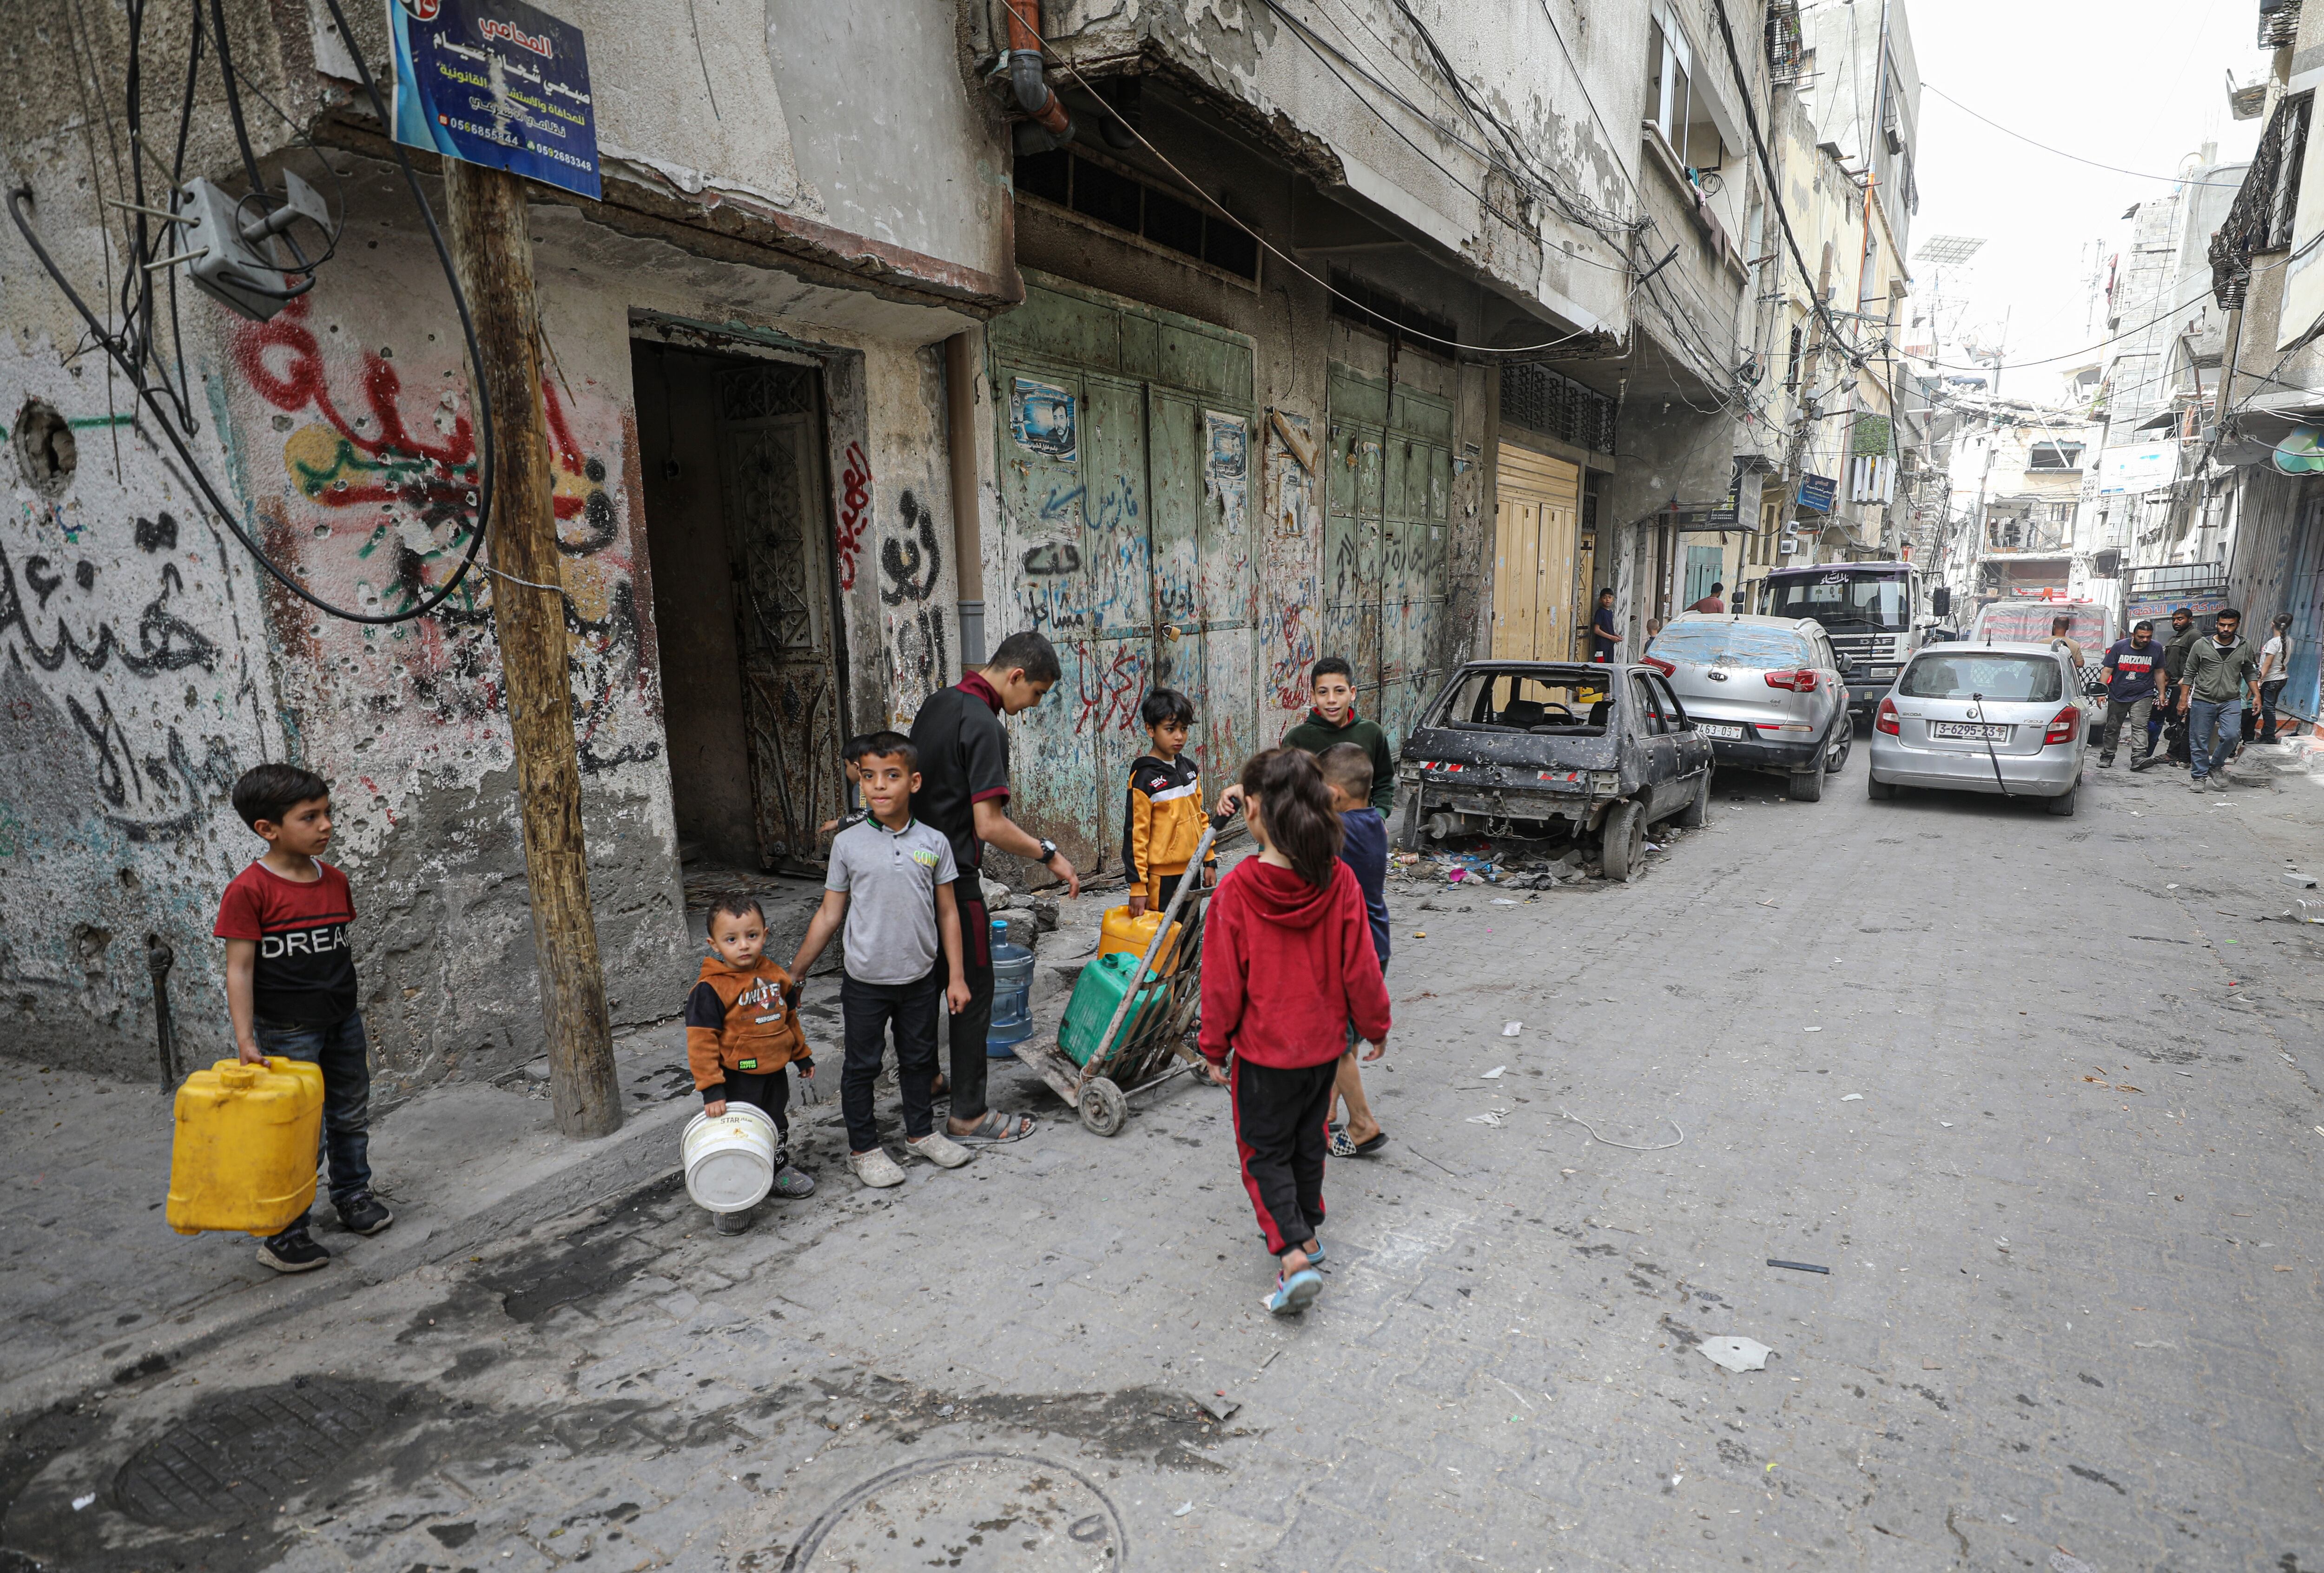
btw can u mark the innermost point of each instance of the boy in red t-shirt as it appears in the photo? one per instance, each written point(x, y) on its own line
point(291, 986)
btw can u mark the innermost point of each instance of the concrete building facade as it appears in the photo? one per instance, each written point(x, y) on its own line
point(1210, 345)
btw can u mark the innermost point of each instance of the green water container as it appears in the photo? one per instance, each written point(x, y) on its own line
point(1097, 993)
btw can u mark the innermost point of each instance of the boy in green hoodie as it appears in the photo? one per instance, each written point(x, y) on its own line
point(1332, 685)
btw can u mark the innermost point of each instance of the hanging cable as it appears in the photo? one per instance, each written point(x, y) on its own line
point(118, 352)
point(1273, 250)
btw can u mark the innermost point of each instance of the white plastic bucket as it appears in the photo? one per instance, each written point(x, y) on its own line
point(730, 1159)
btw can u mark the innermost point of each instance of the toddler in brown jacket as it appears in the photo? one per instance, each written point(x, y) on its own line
point(742, 1031)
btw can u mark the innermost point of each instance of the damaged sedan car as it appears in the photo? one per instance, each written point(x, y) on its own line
point(1582, 755)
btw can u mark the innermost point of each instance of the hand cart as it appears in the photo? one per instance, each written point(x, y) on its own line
point(1138, 1058)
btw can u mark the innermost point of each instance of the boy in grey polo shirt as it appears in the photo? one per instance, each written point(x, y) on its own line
point(891, 883)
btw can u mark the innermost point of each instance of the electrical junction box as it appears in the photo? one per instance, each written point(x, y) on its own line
point(229, 258)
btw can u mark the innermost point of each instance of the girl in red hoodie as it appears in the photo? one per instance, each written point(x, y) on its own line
point(1287, 967)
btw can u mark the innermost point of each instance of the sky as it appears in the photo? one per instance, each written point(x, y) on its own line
point(2140, 84)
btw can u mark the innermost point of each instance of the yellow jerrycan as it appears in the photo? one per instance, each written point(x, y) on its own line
point(243, 1157)
point(1124, 932)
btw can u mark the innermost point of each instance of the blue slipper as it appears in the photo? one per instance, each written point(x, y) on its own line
point(1294, 1294)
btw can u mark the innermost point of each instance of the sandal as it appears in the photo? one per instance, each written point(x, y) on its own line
point(1294, 1293)
point(995, 1128)
point(1342, 1145)
point(1369, 1149)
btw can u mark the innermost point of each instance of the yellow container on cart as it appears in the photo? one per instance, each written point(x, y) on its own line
point(1123, 932)
point(244, 1156)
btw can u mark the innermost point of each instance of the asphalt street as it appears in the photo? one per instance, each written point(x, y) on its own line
point(2038, 1094)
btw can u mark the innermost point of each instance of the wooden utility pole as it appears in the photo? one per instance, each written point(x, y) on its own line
point(491, 245)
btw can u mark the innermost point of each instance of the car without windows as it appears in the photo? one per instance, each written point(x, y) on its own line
point(1766, 691)
point(1998, 718)
point(1585, 754)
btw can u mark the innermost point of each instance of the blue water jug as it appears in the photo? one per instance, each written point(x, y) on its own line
point(1012, 996)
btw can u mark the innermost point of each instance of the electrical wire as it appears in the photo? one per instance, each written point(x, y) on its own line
point(118, 352)
point(1767, 168)
point(2061, 152)
point(1269, 246)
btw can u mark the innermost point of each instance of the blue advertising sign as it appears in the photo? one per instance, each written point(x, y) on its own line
point(1817, 492)
point(495, 82)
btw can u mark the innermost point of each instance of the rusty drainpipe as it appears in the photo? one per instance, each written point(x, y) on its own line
point(1050, 126)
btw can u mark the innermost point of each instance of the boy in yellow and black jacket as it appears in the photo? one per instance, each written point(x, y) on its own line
point(741, 1032)
point(1163, 822)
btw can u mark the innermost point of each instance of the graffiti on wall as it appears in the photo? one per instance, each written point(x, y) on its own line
point(378, 512)
point(855, 511)
point(106, 640)
point(911, 563)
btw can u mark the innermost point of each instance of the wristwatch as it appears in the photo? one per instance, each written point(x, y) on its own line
point(1048, 852)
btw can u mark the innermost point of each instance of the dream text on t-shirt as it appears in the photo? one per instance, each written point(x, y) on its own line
point(305, 974)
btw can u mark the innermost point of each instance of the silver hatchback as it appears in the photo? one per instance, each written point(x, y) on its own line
point(2002, 718)
point(1766, 690)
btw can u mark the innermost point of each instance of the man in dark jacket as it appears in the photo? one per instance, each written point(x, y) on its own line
point(2130, 666)
point(2183, 635)
point(1333, 719)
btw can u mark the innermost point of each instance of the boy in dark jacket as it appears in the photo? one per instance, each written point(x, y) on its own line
point(1363, 848)
point(1332, 685)
point(741, 1034)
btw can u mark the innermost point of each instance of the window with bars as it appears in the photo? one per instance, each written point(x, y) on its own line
point(1540, 400)
point(1101, 192)
point(1785, 47)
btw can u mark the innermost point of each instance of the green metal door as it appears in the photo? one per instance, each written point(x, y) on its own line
point(1122, 432)
point(1384, 545)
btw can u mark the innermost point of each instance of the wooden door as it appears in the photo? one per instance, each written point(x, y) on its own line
point(1385, 515)
point(770, 445)
point(1540, 498)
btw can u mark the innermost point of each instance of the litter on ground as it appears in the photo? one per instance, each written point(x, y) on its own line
point(1511, 1029)
point(1495, 1073)
point(1736, 1353)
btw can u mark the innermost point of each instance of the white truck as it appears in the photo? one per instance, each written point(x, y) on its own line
point(1877, 614)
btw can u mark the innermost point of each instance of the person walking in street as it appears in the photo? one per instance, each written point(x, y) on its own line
point(2183, 635)
point(1709, 603)
point(291, 987)
point(2221, 676)
point(964, 793)
point(2274, 656)
point(2129, 667)
point(1332, 685)
point(1605, 632)
point(1288, 970)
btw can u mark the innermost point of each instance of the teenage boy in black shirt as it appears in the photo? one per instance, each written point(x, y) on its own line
point(964, 793)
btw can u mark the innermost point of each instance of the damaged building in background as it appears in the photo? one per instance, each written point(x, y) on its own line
point(1206, 343)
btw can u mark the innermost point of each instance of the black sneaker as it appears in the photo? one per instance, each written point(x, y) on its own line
point(2105, 762)
point(365, 1213)
point(292, 1251)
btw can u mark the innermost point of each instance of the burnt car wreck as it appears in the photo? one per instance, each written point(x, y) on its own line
point(1555, 751)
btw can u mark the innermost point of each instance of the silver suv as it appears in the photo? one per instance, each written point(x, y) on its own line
point(1766, 690)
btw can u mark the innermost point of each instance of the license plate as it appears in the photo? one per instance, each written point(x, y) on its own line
point(1974, 731)
point(1712, 729)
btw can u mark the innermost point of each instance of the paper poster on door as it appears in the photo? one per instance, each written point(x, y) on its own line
point(1226, 464)
point(1041, 418)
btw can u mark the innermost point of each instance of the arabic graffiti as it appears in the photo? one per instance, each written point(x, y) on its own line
point(1110, 692)
point(910, 560)
point(1056, 557)
point(379, 513)
point(855, 511)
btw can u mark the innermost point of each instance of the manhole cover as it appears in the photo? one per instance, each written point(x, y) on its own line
point(976, 1512)
point(236, 1457)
